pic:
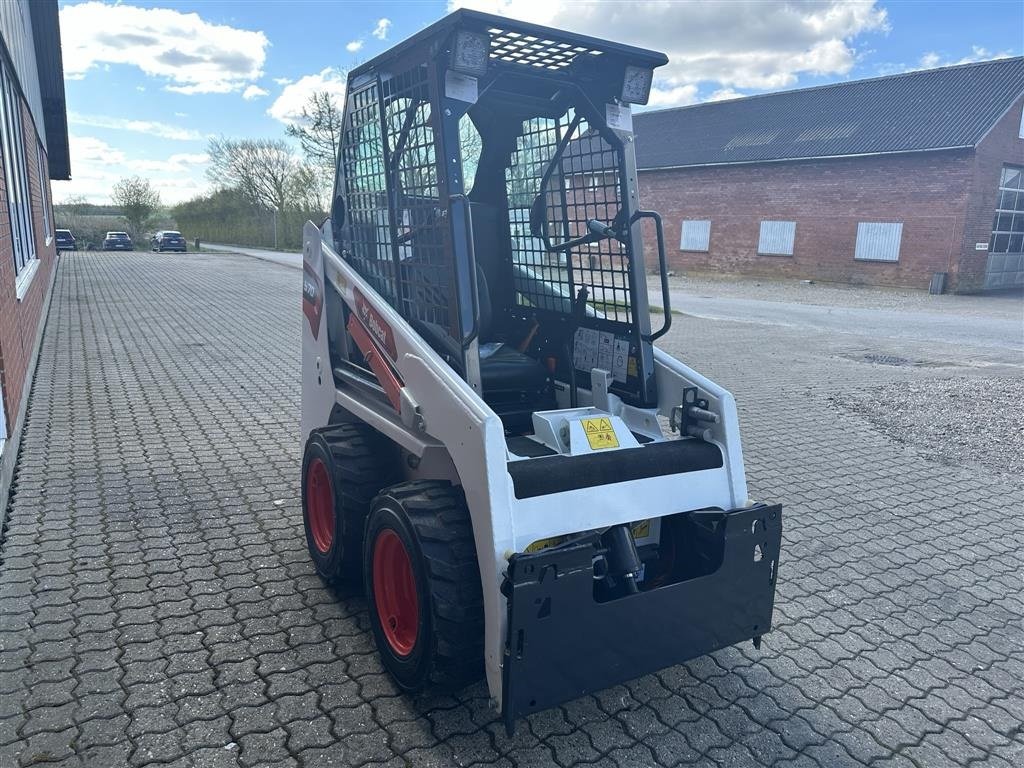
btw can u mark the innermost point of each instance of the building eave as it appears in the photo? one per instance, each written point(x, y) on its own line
point(49, 62)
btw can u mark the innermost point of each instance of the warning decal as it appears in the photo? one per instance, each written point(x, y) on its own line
point(600, 433)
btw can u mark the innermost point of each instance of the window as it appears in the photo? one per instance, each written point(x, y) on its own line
point(878, 242)
point(695, 235)
point(776, 238)
point(1020, 133)
point(12, 148)
point(1008, 225)
point(44, 193)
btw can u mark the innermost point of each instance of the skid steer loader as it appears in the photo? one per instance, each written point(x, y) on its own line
point(527, 487)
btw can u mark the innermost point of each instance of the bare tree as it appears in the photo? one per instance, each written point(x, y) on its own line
point(137, 200)
point(318, 131)
point(260, 169)
point(306, 190)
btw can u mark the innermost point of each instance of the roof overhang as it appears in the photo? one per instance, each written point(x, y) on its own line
point(50, 64)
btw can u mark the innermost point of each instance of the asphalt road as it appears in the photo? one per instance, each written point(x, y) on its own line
point(895, 323)
point(899, 324)
point(284, 258)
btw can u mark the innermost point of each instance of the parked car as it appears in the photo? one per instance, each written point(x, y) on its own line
point(117, 241)
point(168, 240)
point(65, 240)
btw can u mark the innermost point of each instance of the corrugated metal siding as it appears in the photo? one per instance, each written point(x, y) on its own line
point(931, 109)
point(878, 241)
point(776, 238)
point(695, 235)
point(16, 32)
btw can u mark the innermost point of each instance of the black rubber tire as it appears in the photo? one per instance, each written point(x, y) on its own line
point(360, 462)
point(433, 522)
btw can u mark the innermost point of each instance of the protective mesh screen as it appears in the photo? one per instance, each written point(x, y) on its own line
point(364, 176)
point(585, 185)
point(425, 273)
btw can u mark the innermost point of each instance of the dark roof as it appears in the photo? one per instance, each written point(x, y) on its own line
point(516, 42)
point(951, 107)
point(46, 34)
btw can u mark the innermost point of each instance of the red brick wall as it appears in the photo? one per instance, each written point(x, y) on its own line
point(19, 320)
point(827, 198)
point(1002, 146)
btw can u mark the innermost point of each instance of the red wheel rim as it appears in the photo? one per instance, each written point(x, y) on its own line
point(394, 592)
point(320, 505)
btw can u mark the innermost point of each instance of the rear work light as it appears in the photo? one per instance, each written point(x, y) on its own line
point(471, 52)
point(636, 84)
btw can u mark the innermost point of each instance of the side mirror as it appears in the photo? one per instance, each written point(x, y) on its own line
point(338, 214)
point(539, 217)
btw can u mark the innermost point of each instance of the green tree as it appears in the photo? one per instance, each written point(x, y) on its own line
point(138, 201)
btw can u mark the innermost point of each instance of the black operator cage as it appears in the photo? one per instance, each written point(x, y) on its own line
point(450, 138)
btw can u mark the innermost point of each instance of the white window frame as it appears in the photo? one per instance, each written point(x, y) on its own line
point(19, 194)
point(776, 238)
point(1020, 132)
point(695, 235)
point(879, 241)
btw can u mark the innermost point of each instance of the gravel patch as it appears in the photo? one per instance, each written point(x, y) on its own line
point(1008, 305)
point(976, 421)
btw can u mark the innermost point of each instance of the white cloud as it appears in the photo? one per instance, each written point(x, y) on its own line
point(282, 80)
point(932, 59)
point(287, 108)
point(724, 94)
point(253, 92)
point(382, 29)
point(354, 46)
point(97, 166)
point(750, 44)
point(189, 53)
point(150, 127)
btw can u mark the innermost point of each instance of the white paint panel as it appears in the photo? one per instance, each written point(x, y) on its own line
point(695, 235)
point(776, 238)
point(878, 241)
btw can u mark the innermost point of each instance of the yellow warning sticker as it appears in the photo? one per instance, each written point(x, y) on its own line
point(631, 367)
point(600, 433)
point(540, 544)
point(642, 529)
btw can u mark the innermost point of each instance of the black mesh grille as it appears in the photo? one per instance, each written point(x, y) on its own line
point(412, 232)
point(542, 52)
point(420, 221)
point(363, 171)
point(585, 185)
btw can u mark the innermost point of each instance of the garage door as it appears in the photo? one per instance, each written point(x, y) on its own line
point(1005, 268)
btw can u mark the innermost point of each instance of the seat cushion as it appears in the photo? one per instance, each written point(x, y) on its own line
point(508, 370)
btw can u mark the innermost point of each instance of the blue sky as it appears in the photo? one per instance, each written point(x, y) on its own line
point(149, 82)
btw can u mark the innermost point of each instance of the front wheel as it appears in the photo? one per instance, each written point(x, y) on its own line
point(422, 585)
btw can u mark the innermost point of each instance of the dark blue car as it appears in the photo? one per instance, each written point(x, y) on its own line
point(117, 241)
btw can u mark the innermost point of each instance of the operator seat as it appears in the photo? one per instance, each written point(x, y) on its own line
point(514, 384)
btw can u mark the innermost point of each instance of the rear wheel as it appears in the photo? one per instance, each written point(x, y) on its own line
point(422, 585)
point(344, 467)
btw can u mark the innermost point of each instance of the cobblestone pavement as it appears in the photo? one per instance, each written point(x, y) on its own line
point(158, 607)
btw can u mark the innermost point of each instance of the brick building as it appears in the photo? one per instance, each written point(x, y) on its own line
point(33, 150)
point(882, 182)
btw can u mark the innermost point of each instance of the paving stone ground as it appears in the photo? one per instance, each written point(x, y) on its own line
point(157, 606)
